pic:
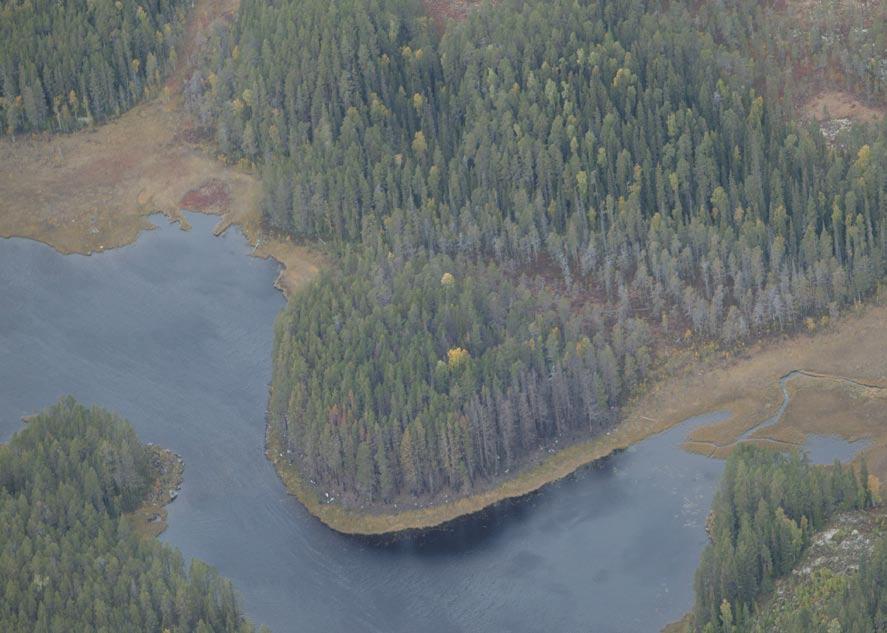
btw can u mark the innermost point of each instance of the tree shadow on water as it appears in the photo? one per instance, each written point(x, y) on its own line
point(484, 528)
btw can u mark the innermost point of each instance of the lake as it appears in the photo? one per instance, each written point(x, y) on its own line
point(174, 333)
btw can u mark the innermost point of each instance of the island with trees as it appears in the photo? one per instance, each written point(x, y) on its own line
point(71, 559)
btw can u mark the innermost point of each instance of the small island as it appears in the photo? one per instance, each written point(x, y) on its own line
point(73, 484)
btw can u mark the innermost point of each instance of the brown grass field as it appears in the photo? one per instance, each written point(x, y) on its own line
point(825, 405)
point(822, 404)
point(834, 104)
point(93, 190)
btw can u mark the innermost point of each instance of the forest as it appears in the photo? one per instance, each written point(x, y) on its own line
point(826, 44)
point(70, 560)
point(630, 162)
point(66, 65)
point(767, 507)
point(856, 604)
point(492, 369)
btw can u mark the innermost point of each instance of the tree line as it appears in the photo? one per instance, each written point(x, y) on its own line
point(70, 560)
point(628, 153)
point(64, 65)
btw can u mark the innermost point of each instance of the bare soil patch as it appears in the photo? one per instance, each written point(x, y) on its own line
point(836, 104)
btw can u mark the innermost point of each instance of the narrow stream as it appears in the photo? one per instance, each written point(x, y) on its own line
point(776, 417)
point(820, 449)
point(174, 332)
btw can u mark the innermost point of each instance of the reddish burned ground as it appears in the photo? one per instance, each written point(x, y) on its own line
point(213, 196)
point(441, 11)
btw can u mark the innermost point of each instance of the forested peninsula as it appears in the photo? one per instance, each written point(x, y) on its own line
point(71, 560)
point(525, 212)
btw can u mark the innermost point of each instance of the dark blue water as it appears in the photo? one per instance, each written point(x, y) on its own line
point(175, 331)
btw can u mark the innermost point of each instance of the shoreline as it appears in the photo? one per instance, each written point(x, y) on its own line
point(747, 387)
point(76, 226)
point(150, 518)
point(92, 190)
point(553, 468)
point(354, 523)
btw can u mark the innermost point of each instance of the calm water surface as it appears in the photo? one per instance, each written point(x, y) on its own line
point(175, 333)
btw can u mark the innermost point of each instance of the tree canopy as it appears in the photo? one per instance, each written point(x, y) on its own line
point(439, 375)
point(67, 64)
point(69, 560)
point(767, 508)
point(631, 156)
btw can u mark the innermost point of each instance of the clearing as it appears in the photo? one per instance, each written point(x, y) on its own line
point(835, 104)
point(441, 11)
point(836, 111)
point(828, 94)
